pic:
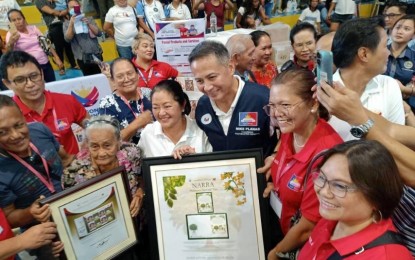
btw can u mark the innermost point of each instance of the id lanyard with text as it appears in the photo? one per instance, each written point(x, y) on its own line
point(47, 182)
point(146, 80)
point(127, 103)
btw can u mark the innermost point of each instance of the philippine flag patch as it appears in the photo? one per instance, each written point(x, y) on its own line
point(248, 118)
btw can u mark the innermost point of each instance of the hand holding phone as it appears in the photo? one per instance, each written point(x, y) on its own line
point(325, 67)
point(77, 9)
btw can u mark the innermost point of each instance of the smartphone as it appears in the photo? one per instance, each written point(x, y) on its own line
point(12, 27)
point(77, 9)
point(325, 67)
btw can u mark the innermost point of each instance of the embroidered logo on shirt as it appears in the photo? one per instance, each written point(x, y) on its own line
point(206, 119)
point(408, 64)
point(62, 124)
point(294, 184)
point(248, 119)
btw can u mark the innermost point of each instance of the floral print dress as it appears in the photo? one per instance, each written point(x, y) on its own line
point(81, 168)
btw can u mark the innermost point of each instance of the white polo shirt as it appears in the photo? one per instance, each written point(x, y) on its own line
point(153, 142)
point(381, 96)
point(181, 12)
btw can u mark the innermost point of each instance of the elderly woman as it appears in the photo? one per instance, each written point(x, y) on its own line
point(173, 132)
point(305, 133)
point(303, 37)
point(263, 68)
point(150, 71)
point(358, 186)
point(126, 103)
point(105, 151)
point(26, 38)
point(84, 44)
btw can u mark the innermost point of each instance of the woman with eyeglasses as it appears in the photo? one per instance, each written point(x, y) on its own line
point(126, 103)
point(263, 68)
point(173, 132)
point(304, 133)
point(358, 186)
point(104, 151)
point(303, 37)
point(150, 71)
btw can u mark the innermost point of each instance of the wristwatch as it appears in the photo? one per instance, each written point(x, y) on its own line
point(360, 131)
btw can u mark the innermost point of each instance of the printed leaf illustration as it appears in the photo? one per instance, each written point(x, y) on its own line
point(170, 184)
point(234, 182)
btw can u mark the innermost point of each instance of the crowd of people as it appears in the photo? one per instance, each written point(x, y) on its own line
point(339, 158)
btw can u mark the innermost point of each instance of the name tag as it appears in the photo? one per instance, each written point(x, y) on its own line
point(276, 204)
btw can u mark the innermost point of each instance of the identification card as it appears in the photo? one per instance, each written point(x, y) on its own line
point(276, 204)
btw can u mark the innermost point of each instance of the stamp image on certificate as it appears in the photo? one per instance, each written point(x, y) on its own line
point(207, 226)
point(204, 202)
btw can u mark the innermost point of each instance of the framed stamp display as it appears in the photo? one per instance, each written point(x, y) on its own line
point(206, 206)
point(93, 218)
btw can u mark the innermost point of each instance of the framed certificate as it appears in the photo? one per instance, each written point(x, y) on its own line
point(93, 218)
point(206, 206)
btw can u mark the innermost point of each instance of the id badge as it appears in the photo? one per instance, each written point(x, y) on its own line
point(276, 204)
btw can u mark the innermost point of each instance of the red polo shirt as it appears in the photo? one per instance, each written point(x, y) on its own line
point(5, 230)
point(67, 110)
point(288, 173)
point(319, 246)
point(159, 71)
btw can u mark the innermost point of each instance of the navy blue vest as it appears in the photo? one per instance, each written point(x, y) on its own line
point(249, 126)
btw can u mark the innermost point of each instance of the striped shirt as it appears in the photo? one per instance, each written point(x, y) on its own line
point(404, 218)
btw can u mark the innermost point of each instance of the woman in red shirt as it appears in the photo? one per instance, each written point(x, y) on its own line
point(263, 68)
point(150, 72)
point(358, 186)
point(216, 6)
point(305, 133)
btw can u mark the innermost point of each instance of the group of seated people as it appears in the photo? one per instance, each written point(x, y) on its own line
point(366, 210)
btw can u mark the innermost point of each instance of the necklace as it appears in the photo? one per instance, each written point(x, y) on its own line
point(296, 143)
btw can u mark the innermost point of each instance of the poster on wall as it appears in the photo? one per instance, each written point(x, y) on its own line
point(176, 39)
point(206, 206)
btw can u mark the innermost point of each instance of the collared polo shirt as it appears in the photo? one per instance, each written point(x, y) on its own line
point(159, 71)
point(320, 246)
point(288, 173)
point(68, 111)
point(402, 67)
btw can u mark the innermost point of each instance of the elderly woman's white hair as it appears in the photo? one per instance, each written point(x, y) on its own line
point(103, 122)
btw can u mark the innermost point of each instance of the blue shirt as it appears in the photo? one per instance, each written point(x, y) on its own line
point(18, 185)
point(402, 67)
point(114, 106)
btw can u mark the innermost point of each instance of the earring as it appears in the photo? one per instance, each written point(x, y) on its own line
point(312, 110)
point(380, 217)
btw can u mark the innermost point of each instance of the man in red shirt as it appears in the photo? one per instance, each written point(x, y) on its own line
point(22, 74)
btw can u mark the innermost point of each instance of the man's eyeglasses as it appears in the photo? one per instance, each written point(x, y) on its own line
point(22, 80)
point(338, 188)
point(391, 15)
point(286, 108)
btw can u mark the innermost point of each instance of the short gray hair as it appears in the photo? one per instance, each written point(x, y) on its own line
point(237, 43)
point(208, 48)
point(103, 122)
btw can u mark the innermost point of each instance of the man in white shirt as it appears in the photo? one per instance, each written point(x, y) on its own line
point(241, 50)
point(360, 54)
point(148, 12)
